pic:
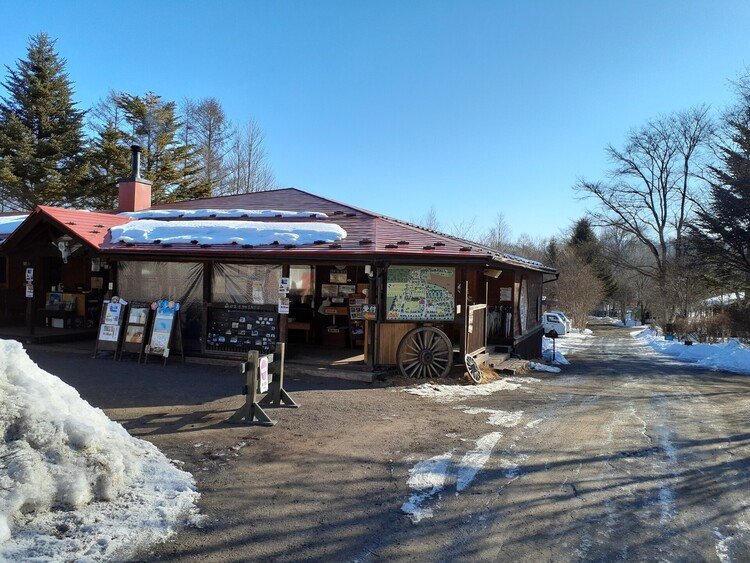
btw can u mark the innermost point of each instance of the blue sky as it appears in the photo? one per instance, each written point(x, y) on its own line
point(473, 107)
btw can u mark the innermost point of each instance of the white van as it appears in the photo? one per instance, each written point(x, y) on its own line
point(565, 319)
point(552, 321)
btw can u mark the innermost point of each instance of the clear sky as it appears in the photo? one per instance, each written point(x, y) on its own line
point(473, 107)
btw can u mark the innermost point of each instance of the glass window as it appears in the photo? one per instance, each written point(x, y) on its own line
point(301, 282)
point(246, 283)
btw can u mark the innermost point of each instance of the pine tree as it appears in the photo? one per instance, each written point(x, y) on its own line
point(108, 154)
point(169, 163)
point(721, 232)
point(585, 243)
point(41, 140)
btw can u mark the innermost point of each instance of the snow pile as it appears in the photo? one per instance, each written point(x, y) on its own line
point(565, 345)
point(224, 213)
point(74, 485)
point(453, 393)
point(536, 366)
point(547, 352)
point(728, 356)
point(9, 223)
point(226, 232)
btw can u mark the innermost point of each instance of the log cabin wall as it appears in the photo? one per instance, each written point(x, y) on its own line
point(12, 294)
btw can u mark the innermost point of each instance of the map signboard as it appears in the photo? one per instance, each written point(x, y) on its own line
point(420, 293)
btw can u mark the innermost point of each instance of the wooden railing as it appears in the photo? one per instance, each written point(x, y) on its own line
point(476, 331)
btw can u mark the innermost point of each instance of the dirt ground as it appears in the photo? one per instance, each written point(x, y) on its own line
point(623, 455)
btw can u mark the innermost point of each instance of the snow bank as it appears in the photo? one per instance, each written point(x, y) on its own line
point(547, 352)
point(453, 393)
point(226, 232)
point(728, 356)
point(565, 345)
point(74, 485)
point(225, 213)
point(543, 367)
point(9, 223)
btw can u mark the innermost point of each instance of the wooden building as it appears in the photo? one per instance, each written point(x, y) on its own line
point(385, 292)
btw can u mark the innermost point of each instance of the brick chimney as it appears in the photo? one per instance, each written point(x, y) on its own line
point(135, 191)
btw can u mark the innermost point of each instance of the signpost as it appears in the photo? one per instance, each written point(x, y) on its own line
point(553, 335)
point(135, 329)
point(30, 300)
point(165, 330)
point(110, 325)
point(258, 381)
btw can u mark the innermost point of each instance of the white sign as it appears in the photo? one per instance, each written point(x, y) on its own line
point(29, 290)
point(109, 333)
point(283, 306)
point(29, 274)
point(284, 286)
point(506, 293)
point(263, 374)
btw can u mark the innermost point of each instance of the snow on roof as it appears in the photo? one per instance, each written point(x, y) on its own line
point(522, 260)
point(9, 223)
point(223, 213)
point(226, 232)
point(74, 485)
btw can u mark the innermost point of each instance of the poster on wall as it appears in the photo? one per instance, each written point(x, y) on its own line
point(506, 293)
point(523, 306)
point(420, 293)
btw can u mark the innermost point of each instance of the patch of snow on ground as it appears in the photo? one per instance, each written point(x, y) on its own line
point(74, 485)
point(453, 393)
point(496, 417)
point(473, 461)
point(728, 548)
point(146, 231)
point(728, 356)
point(543, 367)
point(428, 478)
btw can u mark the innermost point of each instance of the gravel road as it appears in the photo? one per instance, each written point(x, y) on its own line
point(623, 455)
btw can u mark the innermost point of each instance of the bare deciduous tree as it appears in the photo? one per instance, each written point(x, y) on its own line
point(578, 290)
point(248, 167)
point(499, 235)
point(651, 188)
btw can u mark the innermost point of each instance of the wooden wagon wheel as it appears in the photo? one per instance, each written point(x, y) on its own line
point(425, 352)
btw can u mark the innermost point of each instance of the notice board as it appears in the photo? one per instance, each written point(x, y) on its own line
point(110, 325)
point(238, 328)
point(136, 324)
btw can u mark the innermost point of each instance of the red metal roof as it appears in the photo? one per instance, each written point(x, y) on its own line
point(90, 227)
point(368, 233)
point(370, 236)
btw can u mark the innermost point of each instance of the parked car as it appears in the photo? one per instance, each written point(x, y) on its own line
point(552, 321)
point(565, 319)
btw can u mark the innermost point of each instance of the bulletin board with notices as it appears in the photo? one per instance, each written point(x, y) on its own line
point(235, 329)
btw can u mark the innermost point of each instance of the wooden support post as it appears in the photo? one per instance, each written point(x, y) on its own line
point(277, 395)
point(251, 412)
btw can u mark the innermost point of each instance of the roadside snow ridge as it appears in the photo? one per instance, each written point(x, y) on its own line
point(74, 485)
